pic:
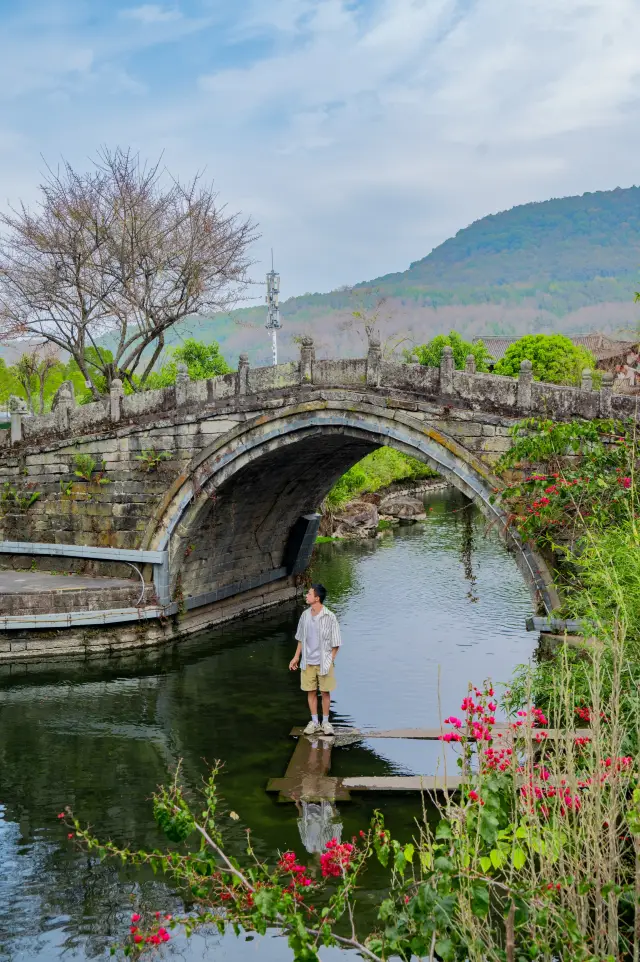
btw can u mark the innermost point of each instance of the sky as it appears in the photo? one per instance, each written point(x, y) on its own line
point(358, 134)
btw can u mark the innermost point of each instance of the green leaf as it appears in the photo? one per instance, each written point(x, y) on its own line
point(497, 858)
point(442, 864)
point(518, 858)
point(386, 910)
point(443, 830)
point(479, 900)
point(445, 949)
point(408, 852)
point(485, 863)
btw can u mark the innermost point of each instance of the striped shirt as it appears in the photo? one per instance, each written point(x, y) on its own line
point(328, 635)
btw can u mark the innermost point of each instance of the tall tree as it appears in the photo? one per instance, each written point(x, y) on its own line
point(124, 251)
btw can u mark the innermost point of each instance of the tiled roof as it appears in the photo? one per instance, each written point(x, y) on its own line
point(601, 346)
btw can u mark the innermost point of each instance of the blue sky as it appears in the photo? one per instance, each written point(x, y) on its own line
point(358, 133)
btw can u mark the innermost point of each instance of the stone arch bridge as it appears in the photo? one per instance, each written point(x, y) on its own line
point(224, 523)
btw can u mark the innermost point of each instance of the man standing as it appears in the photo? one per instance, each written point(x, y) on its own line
point(318, 638)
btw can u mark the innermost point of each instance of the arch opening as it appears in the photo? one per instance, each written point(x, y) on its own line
point(230, 521)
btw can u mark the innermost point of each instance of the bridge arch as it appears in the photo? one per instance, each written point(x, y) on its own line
point(227, 519)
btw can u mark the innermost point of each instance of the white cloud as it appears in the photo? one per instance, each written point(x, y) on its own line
point(149, 13)
point(362, 134)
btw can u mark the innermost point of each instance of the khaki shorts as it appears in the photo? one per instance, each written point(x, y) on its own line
point(311, 679)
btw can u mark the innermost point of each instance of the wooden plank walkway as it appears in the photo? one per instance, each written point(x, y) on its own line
point(429, 734)
point(307, 776)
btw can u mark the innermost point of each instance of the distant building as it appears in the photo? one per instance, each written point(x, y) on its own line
point(622, 358)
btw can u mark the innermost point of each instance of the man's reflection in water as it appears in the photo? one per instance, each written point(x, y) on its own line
point(318, 821)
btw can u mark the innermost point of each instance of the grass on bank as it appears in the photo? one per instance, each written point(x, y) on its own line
point(375, 471)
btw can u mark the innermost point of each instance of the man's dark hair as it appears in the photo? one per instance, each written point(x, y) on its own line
point(321, 592)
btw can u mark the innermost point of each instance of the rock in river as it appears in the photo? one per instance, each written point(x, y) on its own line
point(358, 520)
point(402, 506)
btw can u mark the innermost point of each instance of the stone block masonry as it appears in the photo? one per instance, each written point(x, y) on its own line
point(218, 473)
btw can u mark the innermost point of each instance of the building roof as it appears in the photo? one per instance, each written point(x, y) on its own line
point(601, 346)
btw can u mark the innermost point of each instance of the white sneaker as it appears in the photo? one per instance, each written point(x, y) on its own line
point(327, 728)
point(312, 728)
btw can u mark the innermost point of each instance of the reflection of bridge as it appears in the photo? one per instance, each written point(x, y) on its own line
point(226, 523)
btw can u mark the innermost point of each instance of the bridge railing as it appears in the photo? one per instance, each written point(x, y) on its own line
point(511, 397)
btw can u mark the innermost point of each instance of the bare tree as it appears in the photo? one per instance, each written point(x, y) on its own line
point(124, 251)
point(369, 320)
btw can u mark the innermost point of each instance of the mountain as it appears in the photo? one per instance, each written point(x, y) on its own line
point(568, 265)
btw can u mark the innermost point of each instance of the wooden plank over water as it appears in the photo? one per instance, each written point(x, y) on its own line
point(433, 734)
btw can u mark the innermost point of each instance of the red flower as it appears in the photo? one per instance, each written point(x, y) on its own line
point(70, 835)
point(138, 938)
point(135, 917)
point(474, 796)
point(61, 815)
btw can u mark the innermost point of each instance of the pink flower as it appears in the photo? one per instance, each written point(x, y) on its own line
point(135, 917)
point(473, 796)
point(452, 720)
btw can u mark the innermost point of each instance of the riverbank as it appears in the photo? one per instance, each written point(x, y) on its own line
point(371, 513)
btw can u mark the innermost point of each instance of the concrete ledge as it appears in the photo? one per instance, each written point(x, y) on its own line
point(29, 642)
point(83, 551)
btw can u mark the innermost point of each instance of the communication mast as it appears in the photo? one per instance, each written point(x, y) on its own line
point(273, 310)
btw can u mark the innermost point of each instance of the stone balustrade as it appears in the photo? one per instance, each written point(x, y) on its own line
point(511, 397)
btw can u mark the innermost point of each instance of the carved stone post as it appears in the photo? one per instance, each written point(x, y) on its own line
point(587, 380)
point(116, 394)
point(447, 367)
point(242, 380)
point(18, 409)
point(606, 390)
point(307, 360)
point(470, 364)
point(63, 403)
point(374, 363)
point(182, 383)
point(525, 380)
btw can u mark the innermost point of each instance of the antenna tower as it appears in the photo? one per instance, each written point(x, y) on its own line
point(273, 309)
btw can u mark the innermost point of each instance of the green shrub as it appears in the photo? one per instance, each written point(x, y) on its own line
point(430, 354)
point(554, 358)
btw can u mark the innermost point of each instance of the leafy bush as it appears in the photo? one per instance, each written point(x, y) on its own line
point(554, 358)
point(202, 361)
point(430, 354)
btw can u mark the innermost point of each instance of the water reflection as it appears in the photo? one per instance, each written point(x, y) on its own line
point(100, 735)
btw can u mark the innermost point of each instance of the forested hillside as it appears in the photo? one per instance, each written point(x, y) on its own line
point(568, 265)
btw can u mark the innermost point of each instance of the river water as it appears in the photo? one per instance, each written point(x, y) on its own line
point(423, 612)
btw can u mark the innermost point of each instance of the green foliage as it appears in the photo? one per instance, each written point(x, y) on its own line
point(150, 458)
point(14, 501)
point(202, 361)
point(85, 468)
point(553, 357)
point(587, 477)
point(431, 354)
point(581, 504)
point(376, 470)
